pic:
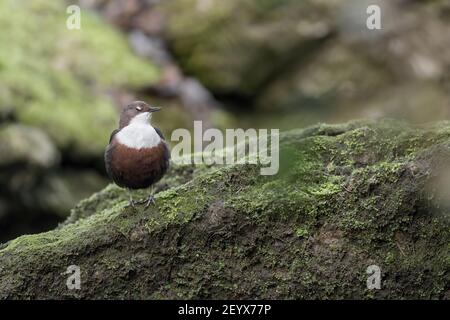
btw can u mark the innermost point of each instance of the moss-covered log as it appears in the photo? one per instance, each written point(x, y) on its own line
point(347, 197)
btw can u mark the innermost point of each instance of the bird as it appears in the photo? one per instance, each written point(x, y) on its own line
point(137, 155)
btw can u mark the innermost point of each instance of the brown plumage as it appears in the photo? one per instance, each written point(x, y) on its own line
point(136, 169)
point(145, 159)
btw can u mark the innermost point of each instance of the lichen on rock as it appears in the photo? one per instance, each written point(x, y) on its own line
point(347, 197)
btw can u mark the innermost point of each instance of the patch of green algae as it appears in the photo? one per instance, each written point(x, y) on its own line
point(346, 197)
point(57, 79)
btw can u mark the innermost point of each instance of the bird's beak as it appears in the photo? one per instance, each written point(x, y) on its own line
point(154, 109)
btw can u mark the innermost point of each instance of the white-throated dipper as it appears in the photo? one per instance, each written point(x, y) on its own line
point(137, 155)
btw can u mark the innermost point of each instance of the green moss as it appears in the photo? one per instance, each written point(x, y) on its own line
point(56, 79)
point(228, 232)
point(301, 232)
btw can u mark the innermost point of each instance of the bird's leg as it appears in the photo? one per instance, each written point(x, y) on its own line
point(132, 202)
point(151, 198)
point(148, 200)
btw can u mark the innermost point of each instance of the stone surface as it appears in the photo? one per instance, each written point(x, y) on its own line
point(347, 197)
point(317, 60)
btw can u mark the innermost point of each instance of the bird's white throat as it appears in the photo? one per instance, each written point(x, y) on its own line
point(139, 133)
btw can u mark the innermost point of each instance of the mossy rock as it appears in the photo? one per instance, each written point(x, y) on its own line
point(334, 76)
point(239, 46)
point(310, 61)
point(26, 146)
point(346, 197)
point(57, 79)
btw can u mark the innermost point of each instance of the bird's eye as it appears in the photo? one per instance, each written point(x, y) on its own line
point(139, 108)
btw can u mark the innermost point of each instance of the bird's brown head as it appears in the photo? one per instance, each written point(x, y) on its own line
point(136, 108)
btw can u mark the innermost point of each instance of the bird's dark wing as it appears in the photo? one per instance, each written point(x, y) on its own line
point(166, 148)
point(113, 134)
point(159, 133)
point(166, 152)
point(108, 154)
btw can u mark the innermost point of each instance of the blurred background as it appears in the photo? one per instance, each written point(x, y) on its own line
point(237, 63)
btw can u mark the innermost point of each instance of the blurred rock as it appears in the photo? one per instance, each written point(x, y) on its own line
point(238, 46)
point(336, 74)
point(26, 146)
point(60, 191)
point(43, 201)
point(149, 47)
point(413, 42)
point(318, 55)
point(151, 22)
point(56, 79)
point(119, 12)
point(144, 23)
point(33, 184)
point(305, 57)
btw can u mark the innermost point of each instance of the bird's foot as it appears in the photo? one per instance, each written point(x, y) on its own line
point(132, 203)
point(150, 200)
